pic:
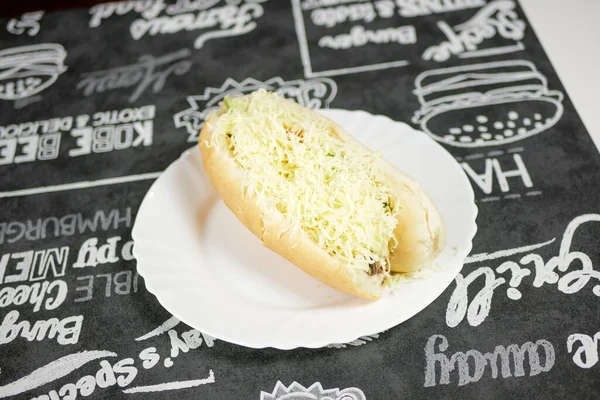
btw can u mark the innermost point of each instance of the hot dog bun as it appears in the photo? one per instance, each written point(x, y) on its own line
point(316, 196)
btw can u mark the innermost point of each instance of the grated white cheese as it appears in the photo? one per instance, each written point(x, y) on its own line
point(332, 190)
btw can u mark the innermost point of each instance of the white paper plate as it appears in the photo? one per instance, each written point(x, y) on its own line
point(209, 271)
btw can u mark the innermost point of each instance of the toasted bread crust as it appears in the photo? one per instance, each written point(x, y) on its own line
point(420, 230)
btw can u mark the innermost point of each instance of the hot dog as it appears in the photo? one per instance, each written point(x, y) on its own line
point(316, 196)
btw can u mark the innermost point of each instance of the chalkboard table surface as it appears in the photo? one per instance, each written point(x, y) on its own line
point(97, 100)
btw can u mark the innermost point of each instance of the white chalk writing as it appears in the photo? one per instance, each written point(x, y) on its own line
point(417, 8)
point(189, 340)
point(124, 116)
point(147, 8)
point(53, 292)
point(164, 327)
point(66, 330)
point(330, 17)
point(21, 103)
point(493, 169)
point(497, 18)
point(52, 371)
point(92, 253)
point(64, 226)
point(172, 385)
point(33, 265)
point(192, 339)
point(36, 127)
point(114, 130)
point(468, 374)
point(325, 14)
point(544, 272)
point(316, 391)
point(29, 149)
point(109, 130)
point(311, 4)
point(120, 283)
point(121, 373)
point(359, 36)
point(385, 8)
point(357, 342)
point(586, 356)
point(328, 14)
point(28, 22)
point(496, 103)
point(148, 71)
point(81, 185)
point(232, 19)
point(111, 137)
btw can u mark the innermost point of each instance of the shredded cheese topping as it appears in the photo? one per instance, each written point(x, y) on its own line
point(295, 163)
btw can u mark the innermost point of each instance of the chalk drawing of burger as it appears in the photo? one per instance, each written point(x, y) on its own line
point(27, 70)
point(486, 104)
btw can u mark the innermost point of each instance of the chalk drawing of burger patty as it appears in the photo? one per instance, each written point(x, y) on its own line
point(486, 104)
point(27, 70)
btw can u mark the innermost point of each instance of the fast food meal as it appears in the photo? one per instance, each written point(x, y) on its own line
point(318, 197)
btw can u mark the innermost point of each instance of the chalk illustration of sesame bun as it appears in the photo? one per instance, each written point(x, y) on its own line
point(486, 104)
point(27, 70)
